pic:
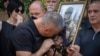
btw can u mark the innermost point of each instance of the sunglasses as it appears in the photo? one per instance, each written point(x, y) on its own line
point(17, 10)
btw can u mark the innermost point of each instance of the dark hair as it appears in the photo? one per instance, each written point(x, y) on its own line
point(6, 0)
point(93, 1)
point(14, 5)
point(11, 0)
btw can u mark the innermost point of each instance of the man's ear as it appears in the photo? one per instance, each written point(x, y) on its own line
point(44, 11)
point(46, 30)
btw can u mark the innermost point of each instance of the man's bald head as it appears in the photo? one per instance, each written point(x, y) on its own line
point(37, 9)
point(38, 4)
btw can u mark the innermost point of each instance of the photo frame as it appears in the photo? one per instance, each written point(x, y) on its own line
point(72, 13)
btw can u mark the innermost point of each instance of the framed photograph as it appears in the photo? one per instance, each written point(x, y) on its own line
point(72, 13)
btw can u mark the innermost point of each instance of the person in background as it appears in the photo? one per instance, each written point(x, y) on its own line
point(52, 5)
point(3, 14)
point(15, 11)
point(88, 39)
point(37, 9)
point(25, 16)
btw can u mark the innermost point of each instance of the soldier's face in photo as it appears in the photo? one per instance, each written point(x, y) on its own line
point(68, 14)
point(67, 17)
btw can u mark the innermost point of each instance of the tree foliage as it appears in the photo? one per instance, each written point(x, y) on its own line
point(1, 5)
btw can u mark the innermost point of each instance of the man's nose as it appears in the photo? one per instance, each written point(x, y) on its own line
point(50, 4)
point(34, 15)
point(92, 13)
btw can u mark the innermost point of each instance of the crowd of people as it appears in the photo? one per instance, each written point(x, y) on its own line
point(45, 30)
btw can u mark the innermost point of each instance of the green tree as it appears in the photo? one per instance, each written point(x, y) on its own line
point(1, 5)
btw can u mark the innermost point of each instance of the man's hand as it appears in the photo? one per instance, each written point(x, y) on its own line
point(45, 47)
point(74, 50)
point(47, 44)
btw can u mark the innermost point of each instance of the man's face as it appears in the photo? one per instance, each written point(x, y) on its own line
point(52, 4)
point(36, 12)
point(50, 31)
point(94, 13)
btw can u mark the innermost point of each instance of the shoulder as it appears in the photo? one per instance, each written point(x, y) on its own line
point(22, 29)
point(84, 32)
point(28, 25)
point(21, 34)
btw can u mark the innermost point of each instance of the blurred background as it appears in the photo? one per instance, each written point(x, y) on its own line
point(28, 2)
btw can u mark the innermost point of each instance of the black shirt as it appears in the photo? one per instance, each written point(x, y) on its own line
point(4, 38)
point(89, 42)
point(85, 23)
point(26, 37)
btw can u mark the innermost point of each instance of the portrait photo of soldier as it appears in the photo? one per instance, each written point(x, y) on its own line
point(69, 23)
